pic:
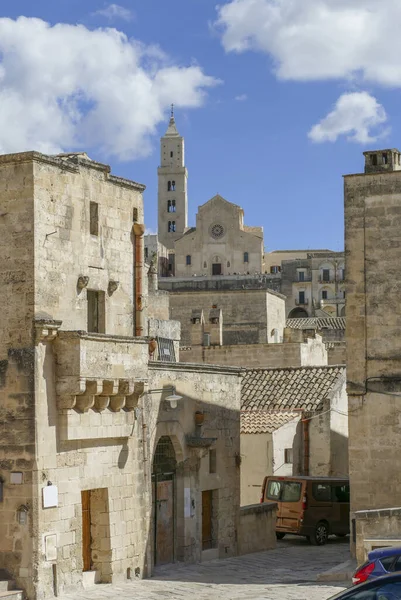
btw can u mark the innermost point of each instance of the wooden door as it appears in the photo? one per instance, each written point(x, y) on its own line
point(207, 540)
point(164, 520)
point(216, 269)
point(86, 530)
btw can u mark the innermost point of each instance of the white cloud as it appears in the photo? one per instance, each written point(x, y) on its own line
point(66, 87)
point(241, 98)
point(318, 39)
point(115, 11)
point(356, 115)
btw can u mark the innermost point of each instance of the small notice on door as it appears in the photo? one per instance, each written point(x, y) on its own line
point(187, 502)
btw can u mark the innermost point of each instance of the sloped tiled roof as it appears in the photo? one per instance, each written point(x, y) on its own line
point(294, 387)
point(265, 422)
point(317, 323)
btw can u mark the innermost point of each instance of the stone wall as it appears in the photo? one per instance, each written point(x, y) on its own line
point(311, 353)
point(257, 528)
point(214, 391)
point(336, 353)
point(376, 529)
point(245, 314)
point(17, 408)
point(372, 224)
point(328, 434)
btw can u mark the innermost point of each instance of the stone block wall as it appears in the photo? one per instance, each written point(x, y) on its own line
point(245, 314)
point(214, 391)
point(257, 528)
point(372, 247)
point(311, 353)
point(376, 529)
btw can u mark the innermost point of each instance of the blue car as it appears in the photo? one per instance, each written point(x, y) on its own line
point(380, 562)
point(381, 588)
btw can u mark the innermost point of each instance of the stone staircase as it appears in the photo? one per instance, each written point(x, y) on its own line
point(7, 588)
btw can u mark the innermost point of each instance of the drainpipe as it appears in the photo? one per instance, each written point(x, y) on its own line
point(139, 231)
point(305, 423)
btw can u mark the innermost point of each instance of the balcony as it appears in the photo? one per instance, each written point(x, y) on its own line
point(306, 279)
point(99, 380)
point(304, 302)
point(328, 281)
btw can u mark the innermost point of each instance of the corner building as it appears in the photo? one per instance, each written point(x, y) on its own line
point(372, 263)
point(86, 426)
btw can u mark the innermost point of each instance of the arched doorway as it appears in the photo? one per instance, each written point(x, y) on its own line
point(298, 313)
point(163, 488)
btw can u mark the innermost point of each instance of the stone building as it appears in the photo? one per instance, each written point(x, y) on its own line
point(95, 409)
point(311, 280)
point(220, 244)
point(293, 422)
point(332, 331)
point(372, 250)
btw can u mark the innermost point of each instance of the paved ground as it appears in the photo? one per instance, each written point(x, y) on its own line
point(287, 573)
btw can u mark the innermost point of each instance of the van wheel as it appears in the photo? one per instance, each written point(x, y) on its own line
point(319, 538)
point(280, 535)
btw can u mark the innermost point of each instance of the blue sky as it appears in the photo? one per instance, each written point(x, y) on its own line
point(254, 85)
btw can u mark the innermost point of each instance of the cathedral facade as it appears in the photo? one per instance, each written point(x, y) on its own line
point(220, 244)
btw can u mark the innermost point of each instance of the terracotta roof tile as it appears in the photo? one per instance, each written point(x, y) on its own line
point(317, 323)
point(299, 387)
point(266, 422)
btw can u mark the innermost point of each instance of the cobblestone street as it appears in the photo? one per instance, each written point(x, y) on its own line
point(287, 573)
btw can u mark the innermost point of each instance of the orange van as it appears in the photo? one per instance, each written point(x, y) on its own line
point(315, 507)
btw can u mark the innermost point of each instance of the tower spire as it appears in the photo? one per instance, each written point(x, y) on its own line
point(172, 129)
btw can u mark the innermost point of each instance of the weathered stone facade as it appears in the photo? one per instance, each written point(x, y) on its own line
point(247, 316)
point(372, 250)
point(79, 417)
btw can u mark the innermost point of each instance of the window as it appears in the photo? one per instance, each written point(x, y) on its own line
point(171, 154)
point(212, 461)
point(96, 311)
point(384, 158)
point(173, 186)
point(205, 265)
point(301, 297)
point(374, 160)
point(171, 226)
point(135, 215)
point(188, 259)
point(94, 218)
point(291, 491)
point(321, 492)
point(387, 563)
point(326, 274)
point(342, 274)
point(275, 269)
point(340, 493)
point(273, 490)
point(324, 295)
point(228, 264)
point(288, 456)
point(169, 186)
point(301, 275)
point(343, 293)
point(246, 257)
point(170, 206)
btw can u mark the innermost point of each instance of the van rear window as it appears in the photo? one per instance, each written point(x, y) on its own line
point(285, 491)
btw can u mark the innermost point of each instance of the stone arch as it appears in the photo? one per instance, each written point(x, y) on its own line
point(298, 313)
point(342, 312)
point(168, 494)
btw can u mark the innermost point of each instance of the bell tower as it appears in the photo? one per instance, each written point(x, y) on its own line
point(172, 187)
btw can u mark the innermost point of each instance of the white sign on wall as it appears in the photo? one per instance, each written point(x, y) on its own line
point(50, 496)
point(51, 547)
